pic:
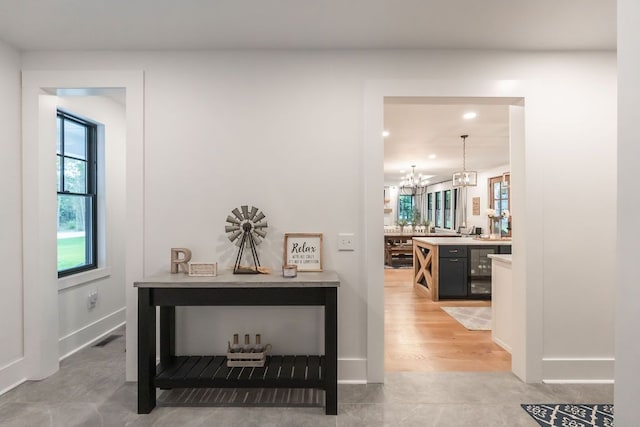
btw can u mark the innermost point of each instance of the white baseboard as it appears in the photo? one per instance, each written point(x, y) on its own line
point(91, 333)
point(578, 371)
point(12, 375)
point(502, 344)
point(352, 371)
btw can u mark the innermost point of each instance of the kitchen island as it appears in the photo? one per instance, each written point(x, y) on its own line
point(455, 267)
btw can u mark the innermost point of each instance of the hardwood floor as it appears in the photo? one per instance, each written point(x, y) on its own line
point(421, 337)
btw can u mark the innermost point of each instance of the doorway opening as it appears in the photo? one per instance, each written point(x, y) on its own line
point(70, 311)
point(509, 93)
point(427, 332)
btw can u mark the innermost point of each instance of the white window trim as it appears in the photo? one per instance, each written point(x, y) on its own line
point(103, 270)
point(83, 277)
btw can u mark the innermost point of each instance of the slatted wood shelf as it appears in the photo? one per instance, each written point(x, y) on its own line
point(212, 371)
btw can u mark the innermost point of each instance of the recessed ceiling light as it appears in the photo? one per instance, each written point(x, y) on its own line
point(470, 115)
point(385, 133)
point(402, 171)
point(432, 156)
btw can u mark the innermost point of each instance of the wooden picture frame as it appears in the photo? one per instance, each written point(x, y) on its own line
point(304, 250)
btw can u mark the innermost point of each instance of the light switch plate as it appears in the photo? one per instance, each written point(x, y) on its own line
point(346, 242)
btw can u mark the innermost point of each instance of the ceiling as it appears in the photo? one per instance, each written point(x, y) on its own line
point(418, 127)
point(308, 24)
point(426, 132)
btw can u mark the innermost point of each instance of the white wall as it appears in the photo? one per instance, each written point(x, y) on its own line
point(627, 390)
point(11, 350)
point(79, 325)
point(277, 129)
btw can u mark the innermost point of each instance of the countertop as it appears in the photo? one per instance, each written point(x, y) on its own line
point(438, 234)
point(226, 279)
point(471, 241)
point(505, 258)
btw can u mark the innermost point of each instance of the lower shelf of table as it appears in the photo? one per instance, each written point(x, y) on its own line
point(212, 371)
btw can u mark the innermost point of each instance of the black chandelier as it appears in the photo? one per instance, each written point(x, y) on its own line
point(414, 185)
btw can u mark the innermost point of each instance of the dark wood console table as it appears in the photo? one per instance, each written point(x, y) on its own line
point(170, 290)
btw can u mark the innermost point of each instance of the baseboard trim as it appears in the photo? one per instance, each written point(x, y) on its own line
point(578, 371)
point(502, 344)
point(12, 375)
point(352, 371)
point(578, 381)
point(91, 333)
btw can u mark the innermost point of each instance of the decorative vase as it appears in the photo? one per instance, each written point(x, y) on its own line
point(496, 228)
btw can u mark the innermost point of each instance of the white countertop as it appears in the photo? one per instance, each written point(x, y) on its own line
point(506, 258)
point(437, 234)
point(226, 279)
point(461, 241)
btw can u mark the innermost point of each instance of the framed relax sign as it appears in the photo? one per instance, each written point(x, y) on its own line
point(304, 250)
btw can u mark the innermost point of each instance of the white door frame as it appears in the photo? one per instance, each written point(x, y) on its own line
point(527, 296)
point(39, 221)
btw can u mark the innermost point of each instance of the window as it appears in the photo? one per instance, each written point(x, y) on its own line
point(77, 199)
point(430, 207)
point(499, 199)
point(405, 208)
point(455, 208)
point(438, 218)
point(447, 209)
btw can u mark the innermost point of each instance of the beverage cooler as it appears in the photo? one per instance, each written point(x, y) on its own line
point(480, 271)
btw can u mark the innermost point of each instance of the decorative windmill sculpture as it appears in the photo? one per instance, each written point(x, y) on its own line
point(246, 228)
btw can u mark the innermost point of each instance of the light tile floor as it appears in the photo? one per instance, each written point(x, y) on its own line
point(89, 390)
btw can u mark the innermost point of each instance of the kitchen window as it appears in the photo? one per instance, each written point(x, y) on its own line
point(499, 193)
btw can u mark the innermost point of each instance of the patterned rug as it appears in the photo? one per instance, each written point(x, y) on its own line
point(472, 318)
point(571, 415)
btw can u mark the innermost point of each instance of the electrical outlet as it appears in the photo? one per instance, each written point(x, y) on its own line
point(346, 242)
point(92, 299)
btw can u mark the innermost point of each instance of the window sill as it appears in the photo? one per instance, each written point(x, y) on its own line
point(82, 278)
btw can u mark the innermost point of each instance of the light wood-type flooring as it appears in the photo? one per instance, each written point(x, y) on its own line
point(420, 337)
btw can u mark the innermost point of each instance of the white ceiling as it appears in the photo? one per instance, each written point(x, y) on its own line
point(422, 127)
point(417, 129)
point(308, 24)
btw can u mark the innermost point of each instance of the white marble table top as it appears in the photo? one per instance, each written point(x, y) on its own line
point(226, 279)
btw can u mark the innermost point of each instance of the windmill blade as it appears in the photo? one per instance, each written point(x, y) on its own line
point(237, 213)
point(232, 220)
point(234, 235)
point(231, 228)
point(259, 217)
point(260, 225)
point(245, 211)
point(253, 212)
point(255, 238)
point(260, 233)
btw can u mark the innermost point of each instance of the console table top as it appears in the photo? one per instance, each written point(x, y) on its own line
point(226, 279)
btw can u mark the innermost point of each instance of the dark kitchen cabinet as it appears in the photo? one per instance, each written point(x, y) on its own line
point(453, 282)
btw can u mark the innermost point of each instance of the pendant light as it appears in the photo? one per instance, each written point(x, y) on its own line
point(465, 178)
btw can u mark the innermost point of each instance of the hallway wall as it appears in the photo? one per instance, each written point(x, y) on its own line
point(627, 390)
point(11, 332)
point(277, 129)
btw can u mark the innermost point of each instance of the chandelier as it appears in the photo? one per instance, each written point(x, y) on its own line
point(413, 184)
point(465, 178)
